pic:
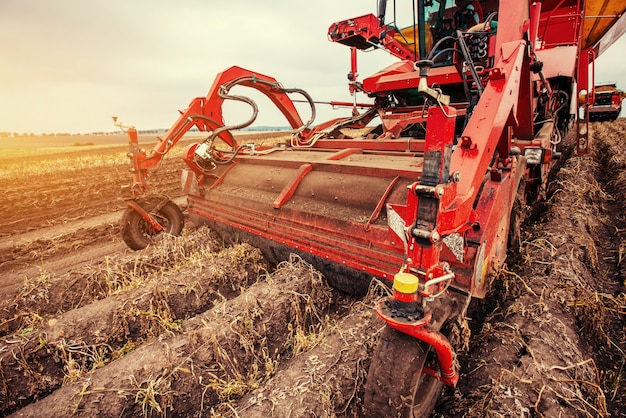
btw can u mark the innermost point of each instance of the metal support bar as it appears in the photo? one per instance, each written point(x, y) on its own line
point(144, 214)
point(443, 348)
point(291, 187)
point(417, 327)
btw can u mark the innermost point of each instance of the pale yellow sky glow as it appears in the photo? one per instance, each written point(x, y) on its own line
point(69, 65)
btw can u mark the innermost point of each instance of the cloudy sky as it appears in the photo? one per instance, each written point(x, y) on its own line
point(69, 65)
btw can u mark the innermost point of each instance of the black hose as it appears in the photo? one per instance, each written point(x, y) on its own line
point(491, 17)
point(223, 93)
point(458, 39)
point(437, 44)
point(309, 100)
point(468, 59)
point(443, 51)
point(565, 103)
point(232, 157)
point(277, 87)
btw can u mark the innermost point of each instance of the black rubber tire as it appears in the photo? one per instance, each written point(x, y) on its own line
point(395, 386)
point(137, 233)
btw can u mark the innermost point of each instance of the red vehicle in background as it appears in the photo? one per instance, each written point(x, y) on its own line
point(607, 103)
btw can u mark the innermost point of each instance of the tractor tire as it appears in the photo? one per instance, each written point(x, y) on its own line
point(395, 385)
point(137, 233)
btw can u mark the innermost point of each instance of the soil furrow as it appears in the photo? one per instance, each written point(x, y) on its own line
point(90, 328)
point(220, 354)
point(326, 380)
point(46, 294)
point(33, 364)
point(542, 349)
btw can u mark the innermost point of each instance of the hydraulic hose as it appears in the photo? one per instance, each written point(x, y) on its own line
point(311, 103)
point(470, 63)
point(565, 102)
point(463, 50)
point(434, 50)
point(434, 57)
point(223, 93)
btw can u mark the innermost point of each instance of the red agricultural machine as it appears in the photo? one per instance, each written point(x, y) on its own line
point(424, 188)
point(607, 103)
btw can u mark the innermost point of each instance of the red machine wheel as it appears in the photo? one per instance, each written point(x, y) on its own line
point(395, 384)
point(137, 233)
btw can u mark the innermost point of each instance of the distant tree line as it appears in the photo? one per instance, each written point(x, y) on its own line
point(14, 134)
point(4, 134)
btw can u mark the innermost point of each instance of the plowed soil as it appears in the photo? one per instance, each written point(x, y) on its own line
point(194, 327)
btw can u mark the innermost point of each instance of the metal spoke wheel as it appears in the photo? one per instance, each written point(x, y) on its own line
point(395, 384)
point(138, 233)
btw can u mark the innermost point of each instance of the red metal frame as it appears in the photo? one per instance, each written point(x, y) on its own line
point(445, 186)
point(365, 32)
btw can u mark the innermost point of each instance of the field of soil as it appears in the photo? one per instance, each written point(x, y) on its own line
point(194, 327)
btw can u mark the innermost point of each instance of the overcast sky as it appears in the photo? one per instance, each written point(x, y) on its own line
point(69, 65)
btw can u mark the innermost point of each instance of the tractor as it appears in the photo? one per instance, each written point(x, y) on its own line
point(424, 186)
point(607, 103)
